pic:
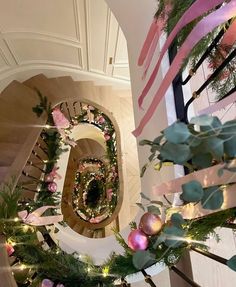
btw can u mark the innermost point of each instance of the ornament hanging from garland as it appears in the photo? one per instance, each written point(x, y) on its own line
point(150, 223)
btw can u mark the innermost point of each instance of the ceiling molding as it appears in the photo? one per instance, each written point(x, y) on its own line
point(41, 36)
point(77, 21)
point(108, 24)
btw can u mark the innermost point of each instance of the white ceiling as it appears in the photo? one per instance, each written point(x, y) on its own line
point(82, 35)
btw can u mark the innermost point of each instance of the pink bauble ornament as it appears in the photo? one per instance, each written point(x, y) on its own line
point(150, 223)
point(137, 240)
point(47, 283)
point(107, 137)
point(101, 120)
point(52, 186)
point(10, 249)
point(49, 177)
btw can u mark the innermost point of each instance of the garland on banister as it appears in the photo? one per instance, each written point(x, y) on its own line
point(205, 146)
point(96, 190)
point(192, 25)
point(226, 80)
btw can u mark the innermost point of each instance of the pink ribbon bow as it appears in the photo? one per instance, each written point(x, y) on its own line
point(34, 218)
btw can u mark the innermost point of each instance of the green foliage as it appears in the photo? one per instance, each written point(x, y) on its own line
point(177, 133)
point(192, 191)
point(206, 142)
point(9, 197)
point(154, 209)
point(177, 219)
point(61, 267)
point(142, 259)
point(174, 236)
point(121, 265)
point(43, 105)
point(213, 198)
point(231, 263)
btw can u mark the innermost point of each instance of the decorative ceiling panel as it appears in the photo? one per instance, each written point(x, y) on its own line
point(78, 34)
point(36, 50)
point(54, 17)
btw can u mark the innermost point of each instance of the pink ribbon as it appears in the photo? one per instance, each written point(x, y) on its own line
point(219, 105)
point(150, 54)
point(229, 37)
point(198, 8)
point(60, 121)
point(153, 30)
point(98, 219)
point(54, 173)
point(206, 25)
point(34, 218)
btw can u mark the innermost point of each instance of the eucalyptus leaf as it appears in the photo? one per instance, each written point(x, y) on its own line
point(229, 135)
point(160, 239)
point(192, 191)
point(151, 157)
point(194, 141)
point(143, 170)
point(215, 146)
point(158, 139)
point(143, 259)
point(174, 236)
point(220, 172)
point(203, 120)
point(144, 196)
point(157, 202)
point(213, 198)
point(178, 153)
point(145, 142)
point(177, 219)
point(202, 160)
point(140, 205)
point(231, 263)
point(154, 209)
point(177, 133)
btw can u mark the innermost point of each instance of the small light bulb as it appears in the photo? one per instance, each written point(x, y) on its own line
point(16, 219)
point(47, 127)
point(25, 228)
point(89, 269)
point(22, 267)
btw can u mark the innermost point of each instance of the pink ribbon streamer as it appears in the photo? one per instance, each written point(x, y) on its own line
point(151, 54)
point(34, 218)
point(198, 8)
point(219, 105)
point(54, 173)
point(60, 121)
point(206, 25)
point(153, 30)
point(229, 37)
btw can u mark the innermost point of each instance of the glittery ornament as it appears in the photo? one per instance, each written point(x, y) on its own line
point(49, 177)
point(137, 240)
point(150, 223)
point(47, 283)
point(52, 186)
